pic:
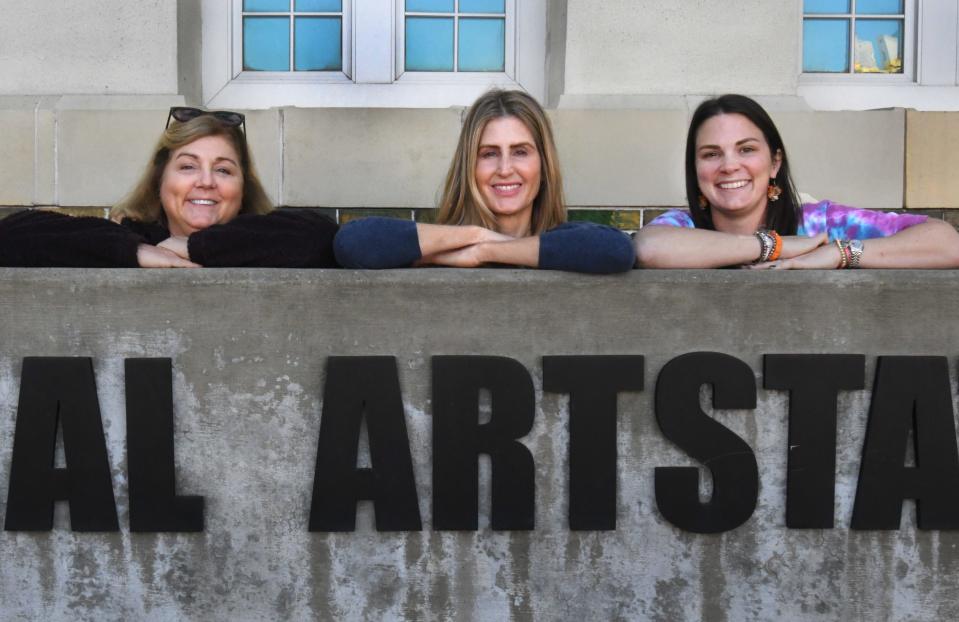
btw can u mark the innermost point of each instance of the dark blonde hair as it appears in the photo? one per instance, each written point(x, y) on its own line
point(143, 202)
point(462, 203)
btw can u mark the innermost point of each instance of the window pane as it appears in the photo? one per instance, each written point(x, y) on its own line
point(429, 44)
point(825, 6)
point(482, 44)
point(318, 44)
point(879, 7)
point(429, 6)
point(319, 6)
point(266, 5)
point(825, 45)
point(266, 44)
point(482, 6)
point(878, 46)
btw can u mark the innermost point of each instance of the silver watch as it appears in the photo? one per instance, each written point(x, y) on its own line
point(855, 250)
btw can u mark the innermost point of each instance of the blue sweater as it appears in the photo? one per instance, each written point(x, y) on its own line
point(375, 243)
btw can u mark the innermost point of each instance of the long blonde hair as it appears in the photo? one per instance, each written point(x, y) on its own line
point(143, 202)
point(462, 203)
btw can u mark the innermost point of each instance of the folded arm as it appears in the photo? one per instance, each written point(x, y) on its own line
point(660, 246)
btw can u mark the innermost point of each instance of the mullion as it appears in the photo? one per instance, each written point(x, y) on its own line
point(456, 36)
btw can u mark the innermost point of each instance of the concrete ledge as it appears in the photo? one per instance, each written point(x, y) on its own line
point(249, 351)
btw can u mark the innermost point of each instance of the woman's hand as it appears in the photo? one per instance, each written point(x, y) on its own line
point(471, 256)
point(796, 245)
point(176, 244)
point(822, 258)
point(149, 256)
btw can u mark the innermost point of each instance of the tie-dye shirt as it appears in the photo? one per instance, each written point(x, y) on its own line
point(839, 221)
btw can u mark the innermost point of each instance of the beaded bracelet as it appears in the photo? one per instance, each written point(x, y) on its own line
point(767, 244)
point(777, 247)
point(843, 261)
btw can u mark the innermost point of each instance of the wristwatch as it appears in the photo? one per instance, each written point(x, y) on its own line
point(855, 251)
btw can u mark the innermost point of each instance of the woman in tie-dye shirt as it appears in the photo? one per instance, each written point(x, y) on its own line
point(744, 209)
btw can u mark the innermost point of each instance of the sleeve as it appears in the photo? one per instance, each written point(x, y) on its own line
point(842, 222)
point(42, 239)
point(674, 218)
point(586, 247)
point(375, 243)
point(280, 239)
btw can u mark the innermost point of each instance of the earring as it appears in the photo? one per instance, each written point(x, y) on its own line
point(703, 203)
point(773, 191)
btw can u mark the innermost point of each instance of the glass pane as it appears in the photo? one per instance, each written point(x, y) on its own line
point(482, 44)
point(429, 44)
point(429, 6)
point(319, 6)
point(266, 5)
point(825, 6)
point(879, 7)
point(318, 44)
point(878, 46)
point(266, 43)
point(825, 45)
point(482, 6)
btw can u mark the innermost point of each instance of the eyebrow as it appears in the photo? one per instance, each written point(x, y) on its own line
point(195, 157)
point(738, 142)
point(513, 146)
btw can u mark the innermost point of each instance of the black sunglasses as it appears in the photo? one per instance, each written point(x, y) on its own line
point(226, 117)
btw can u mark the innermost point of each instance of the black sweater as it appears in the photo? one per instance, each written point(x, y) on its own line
point(280, 239)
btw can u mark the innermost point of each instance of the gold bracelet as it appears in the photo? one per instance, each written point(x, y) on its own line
point(842, 254)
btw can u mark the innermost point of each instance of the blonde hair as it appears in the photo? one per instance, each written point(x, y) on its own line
point(462, 203)
point(143, 202)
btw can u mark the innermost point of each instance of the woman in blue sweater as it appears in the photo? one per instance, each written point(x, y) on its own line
point(502, 204)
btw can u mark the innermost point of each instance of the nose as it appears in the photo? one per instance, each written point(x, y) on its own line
point(729, 163)
point(505, 166)
point(205, 179)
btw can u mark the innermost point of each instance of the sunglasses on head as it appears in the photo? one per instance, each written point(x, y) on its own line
point(226, 117)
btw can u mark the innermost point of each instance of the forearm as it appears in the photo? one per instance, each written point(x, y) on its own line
point(676, 247)
point(43, 239)
point(933, 244)
point(441, 238)
point(518, 252)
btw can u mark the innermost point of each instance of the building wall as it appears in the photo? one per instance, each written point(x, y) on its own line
point(249, 353)
point(59, 47)
point(647, 47)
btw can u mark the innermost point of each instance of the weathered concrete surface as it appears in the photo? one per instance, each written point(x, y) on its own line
point(249, 350)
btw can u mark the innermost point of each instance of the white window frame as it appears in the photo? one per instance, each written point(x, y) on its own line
point(930, 78)
point(372, 78)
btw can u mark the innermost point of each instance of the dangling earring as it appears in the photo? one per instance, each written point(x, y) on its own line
point(773, 191)
point(703, 203)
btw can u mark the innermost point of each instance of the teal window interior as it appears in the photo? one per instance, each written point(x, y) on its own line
point(853, 36)
point(305, 33)
point(463, 36)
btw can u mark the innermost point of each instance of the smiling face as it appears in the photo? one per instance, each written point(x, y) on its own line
point(733, 168)
point(202, 185)
point(508, 173)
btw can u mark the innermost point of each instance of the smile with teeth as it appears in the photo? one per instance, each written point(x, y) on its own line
point(202, 201)
point(733, 185)
point(506, 188)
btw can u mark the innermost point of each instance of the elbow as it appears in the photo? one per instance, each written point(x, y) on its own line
point(347, 247)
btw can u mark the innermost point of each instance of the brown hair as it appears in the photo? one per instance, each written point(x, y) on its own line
point(462, 203)
point(143, 202)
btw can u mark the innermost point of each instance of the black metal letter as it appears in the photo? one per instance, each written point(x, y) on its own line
point(154, 504)
point(813, 382)
point(910, 393)
point(730, 460)
point(63, 389)
point(458, 438)
point(358, 386)
point(592, 383)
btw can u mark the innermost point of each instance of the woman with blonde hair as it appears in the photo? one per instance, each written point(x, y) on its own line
point(198, 203)
point(502, 203)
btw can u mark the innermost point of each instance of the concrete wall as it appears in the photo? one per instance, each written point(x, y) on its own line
point(649, 47)
point(249, 350)
point(931, 166)
point(106, 47)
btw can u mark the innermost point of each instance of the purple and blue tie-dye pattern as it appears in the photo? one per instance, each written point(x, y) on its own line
point(838, 221)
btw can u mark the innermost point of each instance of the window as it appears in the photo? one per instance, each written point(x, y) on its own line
point(864, 54)
point(412, 53)
point(854, 36)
